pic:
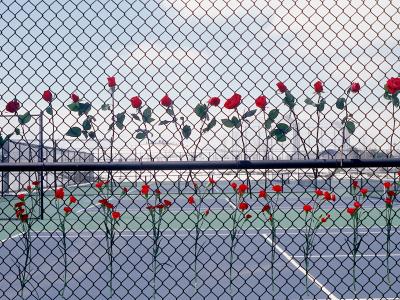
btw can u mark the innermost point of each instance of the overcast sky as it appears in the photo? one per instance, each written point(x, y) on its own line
point(193, 50)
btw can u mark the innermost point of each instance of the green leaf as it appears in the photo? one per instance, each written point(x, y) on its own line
point(119, 125)
point(283, 127)
point(49, 110)
point(280, 137)
point(136, 117)
point(227, 123)
point(201, 111)
point(147, 115)
point(210, 125)
point(17, 131)
point(25, 118)
point(289, 100)
point(186, 131)
point(249, 113)
point(350, 127)
point(73, 106)
point(340, 103)
point(273, 114)
point(6, 138)
point(140, 136)
point(105, 106)
point(92, 135)
point(321, 105)
point(308, 101)
point(164, 122)
point(84, 108)
point(87, 125)
point(236, 122)
point(85, 133)
point(74, 132)
point(268, 124)
point(395, 100)
point(170, 111)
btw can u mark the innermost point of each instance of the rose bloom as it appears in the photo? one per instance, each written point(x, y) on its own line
point(13, 106)
point(214, 101)
point(262, 194)
point(261, 102)
point(136, 102)
point(281, 87)
point(243, 206)
point(242, 188)
point(233, 102)
point(393, 85)
point(355, 87)
point(307, 208)
point(277, 188)
point(166, 101)
point(318, 87)
point(67, 210)
point(74, 97)
point(111, 81)
point(59, 193)
point(116, 215)
point(265, 208)
point(47, 96)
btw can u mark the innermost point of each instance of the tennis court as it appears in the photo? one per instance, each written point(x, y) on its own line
point(329, 274)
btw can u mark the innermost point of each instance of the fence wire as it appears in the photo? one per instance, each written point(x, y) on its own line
point(109, 108)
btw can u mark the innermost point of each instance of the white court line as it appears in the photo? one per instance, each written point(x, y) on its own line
point(11, 237)
point(295, 263)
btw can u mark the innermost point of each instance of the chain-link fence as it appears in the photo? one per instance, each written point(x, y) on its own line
point(138, 139)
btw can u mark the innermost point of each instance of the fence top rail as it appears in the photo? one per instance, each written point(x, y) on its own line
point(202, 165)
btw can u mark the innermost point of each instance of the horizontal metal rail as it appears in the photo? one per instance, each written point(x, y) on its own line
point(202, 165)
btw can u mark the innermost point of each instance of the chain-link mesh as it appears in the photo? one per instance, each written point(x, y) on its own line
point(85, 82)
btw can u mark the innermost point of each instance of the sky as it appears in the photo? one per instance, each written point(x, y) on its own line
point(193, 50)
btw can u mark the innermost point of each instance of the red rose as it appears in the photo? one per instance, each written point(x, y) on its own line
point(35, 183)
point(74, 97)
point(116, 215)
point(387, 185)
point(261, 102)
point(59, 193)
point(136, 102)
point(13, 106)
point(391, 193)
point(323, 220)
point(270, 218)
point(248, 216)
point(167, 203)
point(47, 96)
point(29, 188)
point(19, 212)
point(355, 183)
point(281, 87)
point(109, 205)
point(67, 210)
point(125, 190)
point(233, 102)
point(150, 207)
point(234, 185)
point(99, 184)
point(206, 212)
point(157, 192)
point(262, 194)
point(243, 206)
point(318, 87)
point(327, 196)
point(277, 188)
point(242, 188)
point(166, 101)
point(145, 189)
point(363, 191)
point(72, 199)
point(355, 87)
point(21, 196)
point(388, 202)
point(357, 204)
point(393, 85)
point(351, 211)
point(265, 208)
point(159, 206)
point(333, 197)
point(319, 192)
point(111, 81)
point(19, 204)
point(307, 208)
point(212, 180)
point(191, 200)
point(103, 202)
point(214, 101)
point(24, 218)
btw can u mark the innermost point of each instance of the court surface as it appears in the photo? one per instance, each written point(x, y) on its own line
point(329, 274)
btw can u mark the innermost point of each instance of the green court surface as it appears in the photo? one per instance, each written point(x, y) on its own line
point(87, 214)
